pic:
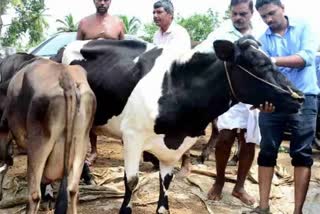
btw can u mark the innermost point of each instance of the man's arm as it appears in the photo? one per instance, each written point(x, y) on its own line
point(122, 31)
point(305, 56)
point(80, 33)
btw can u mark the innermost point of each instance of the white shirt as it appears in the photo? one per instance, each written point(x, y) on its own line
point(227, 32)
point(176, 37)
point(239, 115)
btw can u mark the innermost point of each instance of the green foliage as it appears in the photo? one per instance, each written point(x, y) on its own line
point(29, 22)
point(200, 25)
point(131, 25)
point(227, 14)
point(149, 30)
point(68, 24)
point(4, 4)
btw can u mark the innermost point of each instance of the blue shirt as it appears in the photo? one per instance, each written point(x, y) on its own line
point(297, 40)
point(318, 67)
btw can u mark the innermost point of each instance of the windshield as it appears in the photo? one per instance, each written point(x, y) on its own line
point(51, 46)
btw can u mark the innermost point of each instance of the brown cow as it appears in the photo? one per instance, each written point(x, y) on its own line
point(49, 111)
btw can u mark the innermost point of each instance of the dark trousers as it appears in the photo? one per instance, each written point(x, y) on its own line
point(302, 126)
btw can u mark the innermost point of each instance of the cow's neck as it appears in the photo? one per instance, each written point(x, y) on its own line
point(194, 93)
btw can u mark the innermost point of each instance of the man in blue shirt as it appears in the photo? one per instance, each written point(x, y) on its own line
point(291, 45)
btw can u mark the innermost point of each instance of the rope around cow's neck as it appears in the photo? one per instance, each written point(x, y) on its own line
point(291, 92)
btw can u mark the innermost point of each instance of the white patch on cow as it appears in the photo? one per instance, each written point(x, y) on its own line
point(3, 168)
point(185, 57)
point(168, 156)
point(49, 190)
point(112, 127)
point(72, 51)
point(163, 210)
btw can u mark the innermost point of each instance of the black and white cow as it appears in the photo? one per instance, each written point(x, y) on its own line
point(159, 102)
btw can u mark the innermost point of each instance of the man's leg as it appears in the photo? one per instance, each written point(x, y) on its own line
point(301, 184)
point(272, 126)
point(265, 180)
point(222, 153)
point(246, 157)
point(303, 133)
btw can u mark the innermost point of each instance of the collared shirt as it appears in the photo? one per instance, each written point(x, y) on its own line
point(227, 31)
point(297, 40)
point(176, 37)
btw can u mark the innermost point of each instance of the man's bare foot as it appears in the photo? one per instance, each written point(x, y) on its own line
point(215, 193)
point(243, 196)
point(184, 171)
point(91, 158)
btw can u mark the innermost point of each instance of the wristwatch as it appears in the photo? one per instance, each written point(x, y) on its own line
point(273, 60)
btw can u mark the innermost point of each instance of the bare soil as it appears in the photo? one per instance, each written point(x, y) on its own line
point(187, 195)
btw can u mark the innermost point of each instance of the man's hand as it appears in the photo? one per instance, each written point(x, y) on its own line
point(266, 107)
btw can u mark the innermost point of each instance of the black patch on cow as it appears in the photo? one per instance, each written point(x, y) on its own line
point(112, 74)
point(173, 141)
point(148, 157)
point(58, 56)
point(163, 199)
point(193, 94)
point(9, 66)
point(13, 63)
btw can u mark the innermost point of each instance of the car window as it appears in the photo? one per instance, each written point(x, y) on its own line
point(51, 46)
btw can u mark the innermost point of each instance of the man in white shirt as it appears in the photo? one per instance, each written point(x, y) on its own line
point(176, 38)
point(234, 123)
point(170, 34)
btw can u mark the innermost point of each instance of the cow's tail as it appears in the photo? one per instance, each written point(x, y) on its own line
point(69, 89)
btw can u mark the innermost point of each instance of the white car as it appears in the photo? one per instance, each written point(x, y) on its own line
point(51, 45)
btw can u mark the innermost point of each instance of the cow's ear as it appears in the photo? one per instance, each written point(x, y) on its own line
point(224, 49)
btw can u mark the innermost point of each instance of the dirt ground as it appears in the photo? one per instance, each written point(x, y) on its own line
point(187, 195)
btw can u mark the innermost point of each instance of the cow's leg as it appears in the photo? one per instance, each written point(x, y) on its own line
point(81, 132)
point(185, 165)
point(6, 159)
point(86, 174)
point(166, 175)
point(38, 152)
point(132, 153)
point(208, 148)
point(74, 178)
point(93, 154)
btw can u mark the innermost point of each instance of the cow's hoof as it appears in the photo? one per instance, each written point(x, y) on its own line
point(125, 210)
point(163, 210)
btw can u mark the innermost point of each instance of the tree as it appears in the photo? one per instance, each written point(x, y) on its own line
point(200, 25)
point(149, 30)
point(68, 24)
point(227, 14)
point(29, 22)
point(131, 25)
point(4, 4)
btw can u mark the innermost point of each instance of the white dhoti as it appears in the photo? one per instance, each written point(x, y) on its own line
point(240, 116)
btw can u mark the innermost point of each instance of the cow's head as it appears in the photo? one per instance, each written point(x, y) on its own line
point(253, 78)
